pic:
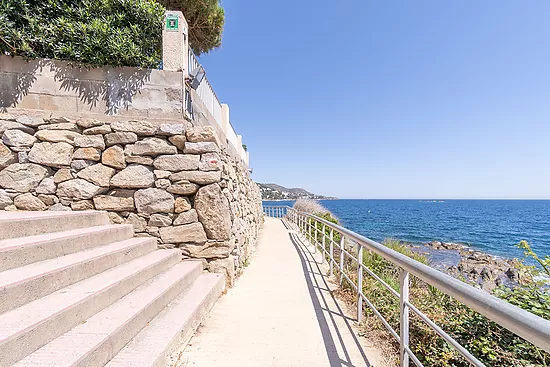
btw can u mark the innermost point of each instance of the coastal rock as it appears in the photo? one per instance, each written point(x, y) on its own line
point(51, 154)
point(22, 177)
point(133, 177)
point(213, 211)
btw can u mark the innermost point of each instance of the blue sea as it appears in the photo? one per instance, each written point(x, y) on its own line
point(492, 226)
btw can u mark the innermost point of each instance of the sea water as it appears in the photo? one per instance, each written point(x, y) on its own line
point(492, 226)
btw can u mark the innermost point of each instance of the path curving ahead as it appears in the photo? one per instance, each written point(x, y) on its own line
point(279, 313)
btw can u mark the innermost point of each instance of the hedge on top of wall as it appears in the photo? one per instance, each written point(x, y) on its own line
point(95, 32)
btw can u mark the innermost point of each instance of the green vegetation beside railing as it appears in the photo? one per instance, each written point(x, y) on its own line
point(491, 343)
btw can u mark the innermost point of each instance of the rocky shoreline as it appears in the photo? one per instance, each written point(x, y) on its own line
point(477, 267)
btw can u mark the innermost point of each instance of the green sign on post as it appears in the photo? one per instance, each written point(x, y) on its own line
point(172, 23)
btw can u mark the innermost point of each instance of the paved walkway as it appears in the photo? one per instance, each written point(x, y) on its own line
point(279, 313)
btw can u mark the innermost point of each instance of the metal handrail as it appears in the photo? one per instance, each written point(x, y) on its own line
point(521, 322)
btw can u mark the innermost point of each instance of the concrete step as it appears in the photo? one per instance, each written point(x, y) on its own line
point(28, 283)
point(29, 327)
point(24, 224)
point(17, 252)
point(159, 343)
point(102, 336)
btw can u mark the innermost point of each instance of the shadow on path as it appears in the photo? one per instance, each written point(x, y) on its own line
point(325, 304)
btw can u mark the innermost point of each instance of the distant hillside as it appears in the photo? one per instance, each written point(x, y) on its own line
point(278, 192)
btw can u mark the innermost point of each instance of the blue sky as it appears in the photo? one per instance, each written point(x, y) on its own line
point(391, 99)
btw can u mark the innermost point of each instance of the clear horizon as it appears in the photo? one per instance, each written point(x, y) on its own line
point(408, 100)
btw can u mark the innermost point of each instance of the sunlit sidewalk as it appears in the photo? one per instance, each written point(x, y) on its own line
point(279, 313)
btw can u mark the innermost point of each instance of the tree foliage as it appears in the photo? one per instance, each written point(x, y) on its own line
point(96, 32)
point(205, 18)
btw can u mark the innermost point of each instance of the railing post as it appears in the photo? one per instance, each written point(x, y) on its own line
point(404, 317)
point(359, 282)
point(324, 243)
point(314, 233)
point(342, 241)
point(330, 260)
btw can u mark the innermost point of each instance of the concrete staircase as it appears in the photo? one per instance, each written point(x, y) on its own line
point(78, 291)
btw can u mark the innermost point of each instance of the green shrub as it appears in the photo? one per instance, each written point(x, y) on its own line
point(489, 342)
point(95, 32)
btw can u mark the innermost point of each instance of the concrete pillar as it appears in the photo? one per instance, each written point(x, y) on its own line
point(175, 42)
point(226, 124)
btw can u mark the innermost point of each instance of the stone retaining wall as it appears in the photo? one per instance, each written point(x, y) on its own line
point(170, 180)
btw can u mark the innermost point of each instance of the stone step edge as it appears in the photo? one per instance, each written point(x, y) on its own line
point(22, 251)
point(99, 338)
point(162, 340)
point(119, 281)
point(37, 280)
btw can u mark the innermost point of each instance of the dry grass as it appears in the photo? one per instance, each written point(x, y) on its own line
point(310, 206)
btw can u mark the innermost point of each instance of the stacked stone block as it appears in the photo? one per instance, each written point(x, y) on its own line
point(170, 180)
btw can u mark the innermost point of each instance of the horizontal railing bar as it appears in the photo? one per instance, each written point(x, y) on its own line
point(521, 322)
point(469, 357)
point(372, 274)
point(379, 315)
point(349, 255)
point(413, 357)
